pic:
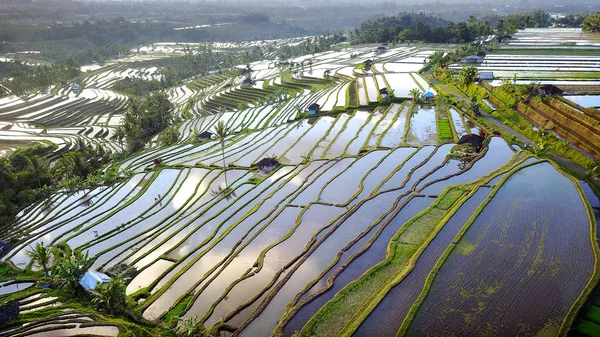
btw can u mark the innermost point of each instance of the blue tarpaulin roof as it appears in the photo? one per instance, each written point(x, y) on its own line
point(93, 279)
point(428, 94)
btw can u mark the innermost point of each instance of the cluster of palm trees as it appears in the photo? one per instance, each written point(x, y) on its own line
point(415, 94)
point(143, 119)
point(64, 268)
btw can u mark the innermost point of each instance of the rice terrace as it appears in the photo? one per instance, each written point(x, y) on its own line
point(412, 176)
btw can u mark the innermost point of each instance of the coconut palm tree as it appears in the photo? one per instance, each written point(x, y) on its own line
point(414, 93)
point(119, 135)
point(41, 256)
point(111, 297)
point(222, 131)
point(38, 166)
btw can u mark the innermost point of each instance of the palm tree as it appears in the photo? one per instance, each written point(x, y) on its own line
point(119, 135)
point(415, 94)
point(38, 166)
point(475, 105)
point(222, 131)
point(111, 297)
point(41, 256)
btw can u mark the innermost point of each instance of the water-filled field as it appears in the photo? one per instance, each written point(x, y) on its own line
point(369, 224)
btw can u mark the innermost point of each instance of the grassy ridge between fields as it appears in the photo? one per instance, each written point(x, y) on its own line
point(349, 308)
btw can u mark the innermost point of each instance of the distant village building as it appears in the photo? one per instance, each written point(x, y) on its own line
point(75, 88)
point(486, 76)
point(381, 49)
point(93, 279)
point(206, 135)
point(266, 165)
point(313, 109)
point(384, 93)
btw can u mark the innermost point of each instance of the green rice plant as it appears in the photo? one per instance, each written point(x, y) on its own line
point(587, 328)
point(593, 314)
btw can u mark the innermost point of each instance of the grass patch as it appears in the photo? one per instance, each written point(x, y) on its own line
point(587, 328)
point(444, 129)
point(172, 315)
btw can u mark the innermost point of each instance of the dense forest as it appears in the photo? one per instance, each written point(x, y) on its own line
point(26, 78)
point(433, 28)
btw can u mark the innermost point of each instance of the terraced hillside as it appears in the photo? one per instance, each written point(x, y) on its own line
point(371, 222)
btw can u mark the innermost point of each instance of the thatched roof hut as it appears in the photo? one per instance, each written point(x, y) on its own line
point(475, 140)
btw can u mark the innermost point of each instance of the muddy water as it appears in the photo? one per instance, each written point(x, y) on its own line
point(497, 155)
point(306, 143)
point(361, 139)
point(349, 132)
point(586, 101)
point(244, 260)
point(533, 252)
point(147, 276)
point(343, 187)
point(386, 120)
point(372, 256)
point(386, 318)
point(223, 243)
point(335, 126)
point(312, 220)
point(393, 136)
point(367, 214)
point(459, 126)
point(423, 129)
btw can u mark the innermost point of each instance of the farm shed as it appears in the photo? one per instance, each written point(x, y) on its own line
point(206, 135)
point(428, 95)
point(549, 90)
point(93, 279)
point(384, 93)
point(313, 109)
point(368, 63)
point(248, 81)
point(475, 140)
point(266, 164)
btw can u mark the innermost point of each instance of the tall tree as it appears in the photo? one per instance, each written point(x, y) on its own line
point(39, 167)
point(222, 131)
point(591, 23)
point(41, 256)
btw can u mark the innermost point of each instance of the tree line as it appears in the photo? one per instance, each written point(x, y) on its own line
point(24, 78)
point(433, 28)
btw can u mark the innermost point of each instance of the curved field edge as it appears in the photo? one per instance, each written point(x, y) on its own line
point(328, 311)
point(579, 302)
